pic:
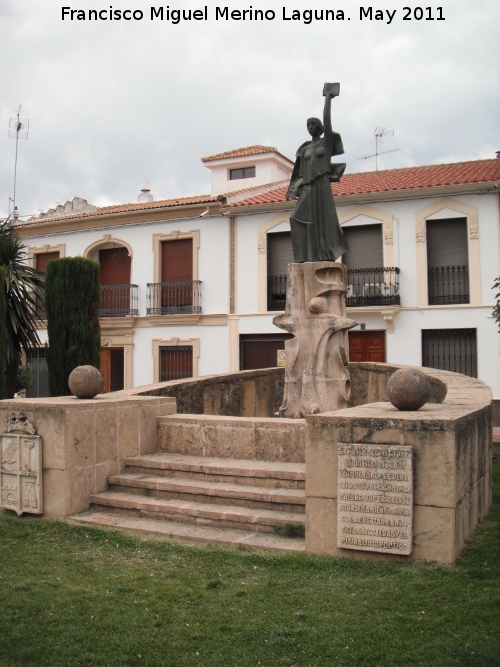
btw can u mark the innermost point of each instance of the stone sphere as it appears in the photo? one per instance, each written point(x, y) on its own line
point(408, 389)
point(85, 382)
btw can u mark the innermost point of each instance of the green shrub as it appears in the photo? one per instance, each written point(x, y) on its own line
point(24, 378)
point(72, 299)
point(3, 333)
point(496, 309)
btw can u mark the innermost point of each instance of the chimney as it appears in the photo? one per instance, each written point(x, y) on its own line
point(145, 195)
point(498, 154)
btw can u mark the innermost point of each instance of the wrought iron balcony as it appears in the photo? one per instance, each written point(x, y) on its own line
point(276, 292)
point(448, 284)
point(173, 298)
point(373, 287)
point(118, 300)
point(365, 287)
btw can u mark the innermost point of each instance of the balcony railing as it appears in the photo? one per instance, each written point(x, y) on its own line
point(276, 292)
point(448, 285)
point(172, 298)
point(373, 287)
point(365, 287)
point(118, 300)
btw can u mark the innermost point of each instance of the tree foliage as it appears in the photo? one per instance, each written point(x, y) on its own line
point(24, 292)
point(72, 299)
point(3, 334)
point(496, 309)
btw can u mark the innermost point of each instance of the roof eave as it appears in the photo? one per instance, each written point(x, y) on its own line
point(108, 219)
point(386, 195)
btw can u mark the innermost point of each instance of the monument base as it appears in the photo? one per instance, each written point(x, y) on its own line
point(316, 377)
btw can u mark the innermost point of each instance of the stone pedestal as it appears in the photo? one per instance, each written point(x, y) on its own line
point(316, 377)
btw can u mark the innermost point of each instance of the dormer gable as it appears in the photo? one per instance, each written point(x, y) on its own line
point(246, 167)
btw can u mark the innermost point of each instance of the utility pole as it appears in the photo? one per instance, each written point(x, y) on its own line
point(18, 129)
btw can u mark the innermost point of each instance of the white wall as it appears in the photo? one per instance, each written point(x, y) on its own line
point(403, 346)
point(268, 169)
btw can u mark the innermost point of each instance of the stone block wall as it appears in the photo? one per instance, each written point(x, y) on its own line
point(84, 441)
point(257, 393)
point(452, 467)
point(234, 438)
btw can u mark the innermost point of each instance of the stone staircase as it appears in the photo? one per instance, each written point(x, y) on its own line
point(226, 500)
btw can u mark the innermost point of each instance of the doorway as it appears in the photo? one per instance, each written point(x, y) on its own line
point(367, 346)
point(112, 368)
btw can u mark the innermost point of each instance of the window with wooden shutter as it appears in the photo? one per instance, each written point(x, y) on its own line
point(43, 258)
point(279, 256)
point(447, 261)
point(177, 273)
point(447, 242)
point(115, 266)
point(279, 253)
point(177, 260)
point(366, 250)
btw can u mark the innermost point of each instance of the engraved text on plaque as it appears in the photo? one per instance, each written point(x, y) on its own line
point(375, 498)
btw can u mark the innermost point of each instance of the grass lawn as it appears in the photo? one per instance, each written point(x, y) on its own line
point(71, 595)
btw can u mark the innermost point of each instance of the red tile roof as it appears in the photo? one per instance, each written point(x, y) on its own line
point(389, 180)
point(123, 208)
point(244, 152)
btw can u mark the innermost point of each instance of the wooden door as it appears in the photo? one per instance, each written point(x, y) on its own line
point(112, 368)
point(366, 345)
point(106, 368)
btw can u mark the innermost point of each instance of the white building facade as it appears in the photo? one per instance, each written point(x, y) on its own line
point(191, 285)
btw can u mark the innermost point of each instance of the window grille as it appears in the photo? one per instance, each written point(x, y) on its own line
point(38, 362)
point(450, 350)
point(176, 362)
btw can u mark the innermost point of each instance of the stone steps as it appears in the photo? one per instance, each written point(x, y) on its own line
point(185, 531)
point(206, 492)
point(238, 471)
point(203, 491)
point(209, 514)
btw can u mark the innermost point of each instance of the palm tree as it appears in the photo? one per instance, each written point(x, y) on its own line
point(24, 291)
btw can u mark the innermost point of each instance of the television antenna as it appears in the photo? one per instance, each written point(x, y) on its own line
point(18, 129)
point(379, 133)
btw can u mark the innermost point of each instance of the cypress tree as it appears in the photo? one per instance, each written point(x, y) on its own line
point(72, 299)
point(3, 334)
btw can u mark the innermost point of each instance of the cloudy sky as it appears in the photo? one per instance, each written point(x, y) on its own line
point(113, 103)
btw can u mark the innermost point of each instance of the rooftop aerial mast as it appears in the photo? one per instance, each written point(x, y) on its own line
point(18, 129)
point(380, 133)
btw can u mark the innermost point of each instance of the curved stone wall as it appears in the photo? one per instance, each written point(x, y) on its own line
point(259, 393)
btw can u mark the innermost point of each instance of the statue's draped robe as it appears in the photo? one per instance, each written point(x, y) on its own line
point(316, 233)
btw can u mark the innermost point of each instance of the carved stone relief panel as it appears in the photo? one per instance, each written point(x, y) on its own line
point(21, 466)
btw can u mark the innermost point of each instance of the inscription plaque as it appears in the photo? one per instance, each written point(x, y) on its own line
point(21, 472)
point(375, 498)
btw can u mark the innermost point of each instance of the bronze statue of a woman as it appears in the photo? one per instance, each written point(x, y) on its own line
point(316, 233)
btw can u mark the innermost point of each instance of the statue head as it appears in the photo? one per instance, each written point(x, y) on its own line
point(315, 127)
